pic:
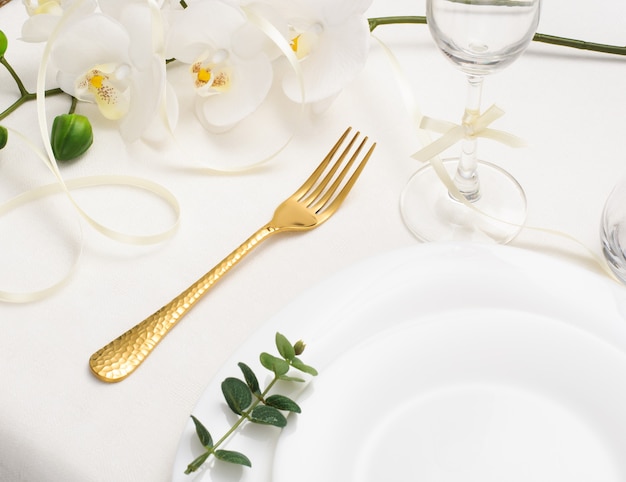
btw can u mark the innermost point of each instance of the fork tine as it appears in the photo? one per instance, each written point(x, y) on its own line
point(319, 188)
point(310, 182)
point(336, 202)
point(317, 200)
point(326, 210)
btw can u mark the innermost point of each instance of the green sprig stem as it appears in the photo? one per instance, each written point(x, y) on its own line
point(244, 417)
point(246, 399)
point(539, 37)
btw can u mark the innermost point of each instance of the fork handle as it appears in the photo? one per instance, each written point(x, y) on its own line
point(118, 359)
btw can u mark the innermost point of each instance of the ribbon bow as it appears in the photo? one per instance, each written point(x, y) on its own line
point(471, 128)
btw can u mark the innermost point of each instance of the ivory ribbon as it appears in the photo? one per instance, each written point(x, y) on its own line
point(66, 187)
point(469, 129)
point(61, 186)
point(453, 133)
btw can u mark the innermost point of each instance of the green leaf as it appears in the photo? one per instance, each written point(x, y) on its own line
point(233, 457)
point(285, 348)
point(251, 379)
point(237, 394)
point(203, 433)
point(282, 403)
point(274, 364)
point(268, 416)
point(197, 463)
point(298, 365)
point(288, 378)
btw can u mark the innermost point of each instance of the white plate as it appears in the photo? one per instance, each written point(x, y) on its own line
point(474, 395)
point(537, 351)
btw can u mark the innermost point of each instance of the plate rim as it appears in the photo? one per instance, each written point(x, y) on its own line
point(431, 260)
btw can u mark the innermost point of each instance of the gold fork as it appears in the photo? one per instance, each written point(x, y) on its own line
point(312, 204)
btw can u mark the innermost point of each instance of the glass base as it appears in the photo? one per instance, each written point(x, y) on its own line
point(431, 214)
point(613, 230)
point(614, 251)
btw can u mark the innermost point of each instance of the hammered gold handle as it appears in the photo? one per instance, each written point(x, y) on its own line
point(309, 206)
point(118, 359)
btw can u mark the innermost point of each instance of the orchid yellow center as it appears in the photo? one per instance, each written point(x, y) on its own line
point(303, 43)
point(96, 82)
point(40, 7)
point(294, 43)
point(108, 89)
point(204, 75)
point(210, 78)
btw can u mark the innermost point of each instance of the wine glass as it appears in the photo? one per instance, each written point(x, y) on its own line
point(479, 37)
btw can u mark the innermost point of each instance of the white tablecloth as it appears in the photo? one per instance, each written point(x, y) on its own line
point(59, 423)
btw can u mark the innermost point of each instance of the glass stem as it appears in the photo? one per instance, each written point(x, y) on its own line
point(466, 177)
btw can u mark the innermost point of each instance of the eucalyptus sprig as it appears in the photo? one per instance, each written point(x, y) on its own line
point(246, 399)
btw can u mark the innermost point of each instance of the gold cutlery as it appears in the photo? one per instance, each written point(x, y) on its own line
point(312, 204)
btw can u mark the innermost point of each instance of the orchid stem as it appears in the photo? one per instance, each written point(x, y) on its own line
point(25, 96)
point(377, 21)
point(580, 44)
point(73, 105)
point(539, 37)
point(16, 78)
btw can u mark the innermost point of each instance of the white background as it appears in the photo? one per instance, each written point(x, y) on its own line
point(57, 422)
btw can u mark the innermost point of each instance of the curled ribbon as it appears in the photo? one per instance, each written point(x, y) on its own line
point(66, 187)
point(471, 128)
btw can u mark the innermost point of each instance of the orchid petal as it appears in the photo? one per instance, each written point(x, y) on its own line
point(143, 23)
point(44, 18)
point(51, 7)
point(39, 28)
point(253, 80)
point(144, 97)
point(209, 23)
point(249, 40)
point(96, 39)
point(107, 60)
point(336, 60)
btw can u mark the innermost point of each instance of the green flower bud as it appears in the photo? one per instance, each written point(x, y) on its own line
point(71, 136)
point(4, 43)
point(299, 347)
point(4, 136)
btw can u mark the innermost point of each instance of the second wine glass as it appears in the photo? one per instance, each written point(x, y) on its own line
point(479, 37)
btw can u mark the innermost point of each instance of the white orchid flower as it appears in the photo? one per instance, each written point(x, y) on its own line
point(229, 86)
point(116, 63)
point(330, 38)
point(44, 16)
